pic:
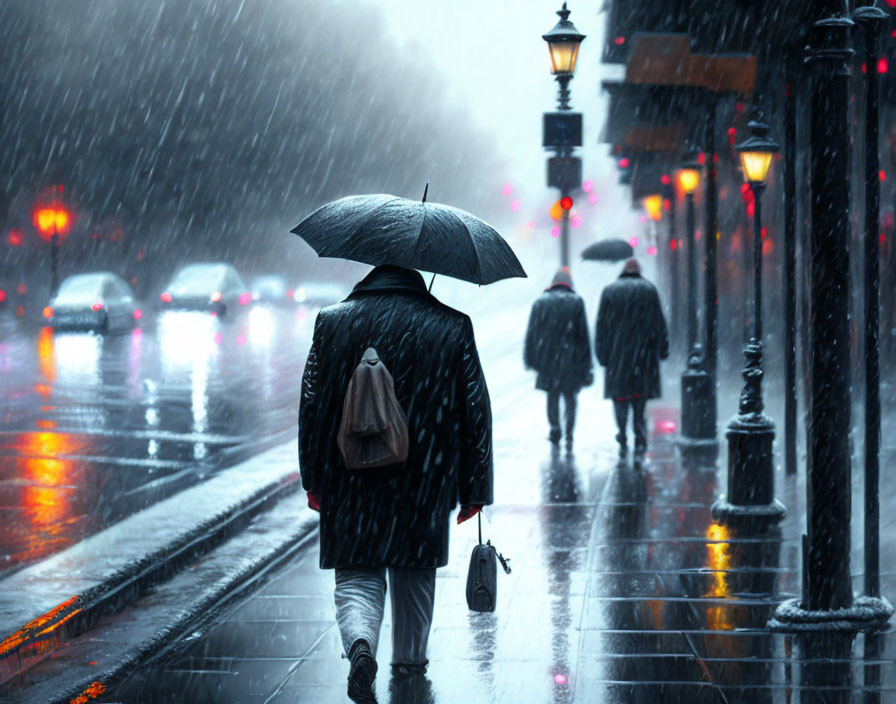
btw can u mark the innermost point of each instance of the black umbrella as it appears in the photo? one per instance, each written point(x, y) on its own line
point(608, 251)
point(383, 229)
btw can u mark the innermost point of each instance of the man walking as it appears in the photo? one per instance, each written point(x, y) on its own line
point(395, 517)
point(558, 348)
point(631, 340)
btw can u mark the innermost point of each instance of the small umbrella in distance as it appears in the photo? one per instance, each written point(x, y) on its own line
point(384, 229)
point(612, 250)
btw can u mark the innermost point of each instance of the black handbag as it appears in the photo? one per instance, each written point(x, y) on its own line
point(482, 578)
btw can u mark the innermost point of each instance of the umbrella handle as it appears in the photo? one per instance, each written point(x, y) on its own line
point(431, 281)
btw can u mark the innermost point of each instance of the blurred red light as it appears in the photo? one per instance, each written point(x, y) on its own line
point(633, 241)
point(651, 251)
point(22, 289)
point(138, 314)
point(16, 237)
point(566, 203)
point(701, 158)
point(673, 245)
point(883, 65)
point(619, 41)
point(166, 297)
point(48, 312)
point(665, 179)
point(216, 296)
point(218, 338)
point(245, 298)
point(763, 232)
point(97, 306)
point(2, 295)
point(882, 175)
point(623, 163)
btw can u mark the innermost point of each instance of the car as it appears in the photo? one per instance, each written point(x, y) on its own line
point(319, 293)
point(100, 301)
point(214, 287)
point(270, 289)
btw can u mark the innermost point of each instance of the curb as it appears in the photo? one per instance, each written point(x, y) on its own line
point(49, 632)
point(201, 610)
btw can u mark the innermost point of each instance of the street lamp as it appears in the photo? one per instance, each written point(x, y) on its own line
point(688, 180)
point(563, 129)
point(751, 475)
point(698, 419)
point(563, 44)
point(53, 221)
point(653, 205)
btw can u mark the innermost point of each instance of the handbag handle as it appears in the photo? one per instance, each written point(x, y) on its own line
point(479, 516)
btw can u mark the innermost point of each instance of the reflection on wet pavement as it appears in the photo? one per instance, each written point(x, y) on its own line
point(93, 428)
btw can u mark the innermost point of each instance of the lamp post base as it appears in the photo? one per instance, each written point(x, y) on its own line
point(698, 402)
point(866, 614)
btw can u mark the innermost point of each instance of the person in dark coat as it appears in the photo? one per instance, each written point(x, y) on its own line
point(558, 348)
point(394, 518)
point(631, 340)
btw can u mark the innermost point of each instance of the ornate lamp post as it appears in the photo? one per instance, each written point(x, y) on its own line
point(751, 474)
point(563, 130)
point(698, 419)
point(688, 180)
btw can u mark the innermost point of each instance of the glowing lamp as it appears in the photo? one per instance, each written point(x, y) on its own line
point(216, 296)
point(166, 297)
point(97, 306)
point(563, 43)
point(48, 312)
point(756, 153)
point(689, 175)
point(566, 203)
point(653, 204)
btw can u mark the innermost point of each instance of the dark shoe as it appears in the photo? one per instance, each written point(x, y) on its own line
point(362, 673)
point(555, 435)
point(409, 689)
point(623, 451)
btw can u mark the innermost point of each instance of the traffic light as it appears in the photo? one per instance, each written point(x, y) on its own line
point(566, 203)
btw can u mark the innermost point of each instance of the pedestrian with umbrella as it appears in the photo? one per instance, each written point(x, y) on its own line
point(631, 340)
point(558, 349)
point(394, 418)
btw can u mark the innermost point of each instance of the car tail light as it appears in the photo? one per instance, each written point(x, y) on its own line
point(216, 296)
point(245, 298)
point(166, 297)
point(97, 306)
point(48, 312)
point(138, 314)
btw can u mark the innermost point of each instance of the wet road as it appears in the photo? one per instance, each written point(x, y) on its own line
point(93, 428)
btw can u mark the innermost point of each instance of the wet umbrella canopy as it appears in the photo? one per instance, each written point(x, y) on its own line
point(613, 250)
point(385, 229)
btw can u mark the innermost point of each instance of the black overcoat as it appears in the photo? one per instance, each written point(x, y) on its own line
point(557, 341)
point(631, 338)
point(396, 516)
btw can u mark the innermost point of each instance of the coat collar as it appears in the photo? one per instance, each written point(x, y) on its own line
point(630, 275)
point(390, 279)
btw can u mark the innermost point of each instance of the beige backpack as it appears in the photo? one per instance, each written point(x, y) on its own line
point(373, 431)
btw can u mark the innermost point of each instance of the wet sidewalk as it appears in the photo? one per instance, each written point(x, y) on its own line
point(623, 590)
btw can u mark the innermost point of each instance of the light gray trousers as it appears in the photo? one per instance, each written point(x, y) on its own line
point(361, 598)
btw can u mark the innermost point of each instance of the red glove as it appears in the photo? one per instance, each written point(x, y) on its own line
point(314, 501)
point(467, 512)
